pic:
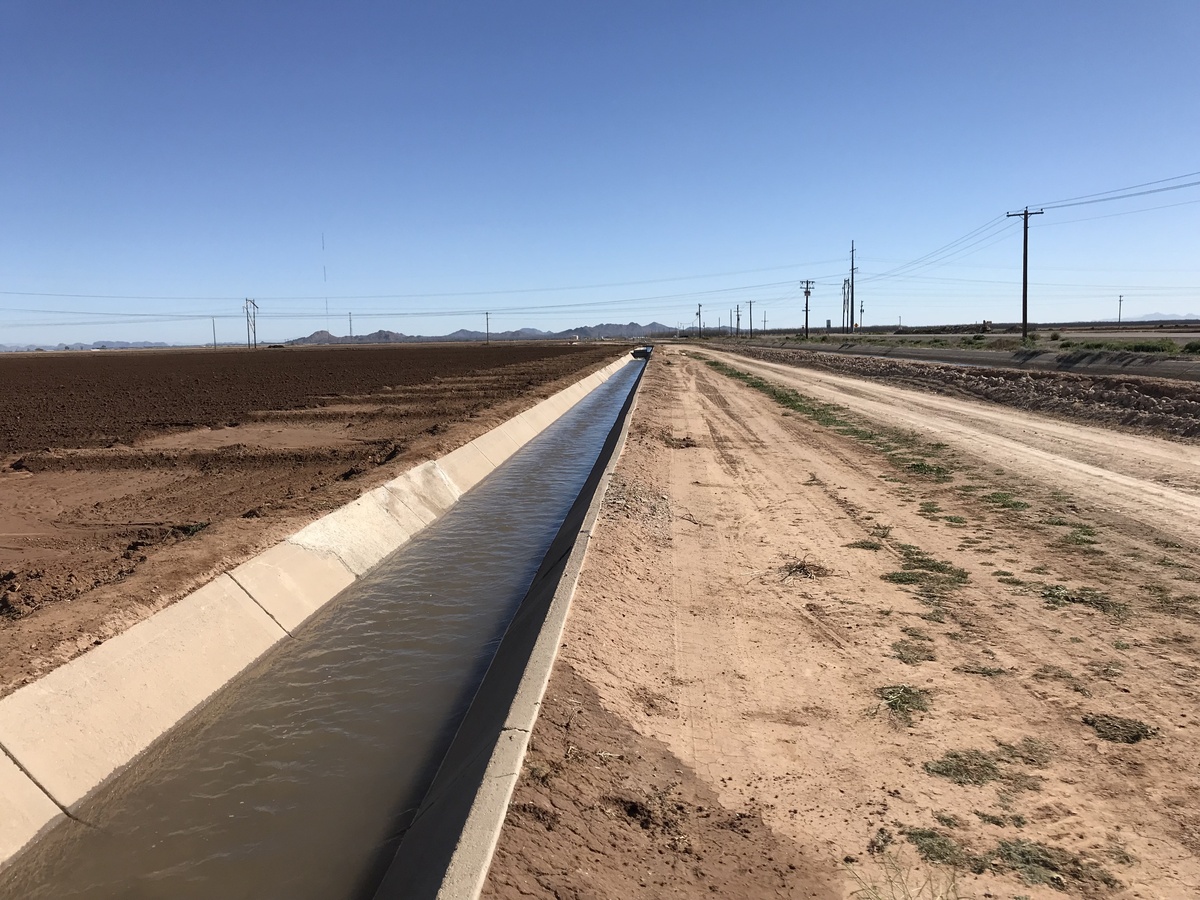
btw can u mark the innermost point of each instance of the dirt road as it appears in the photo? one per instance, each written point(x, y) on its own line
point(901, 636)
point(1153, 482)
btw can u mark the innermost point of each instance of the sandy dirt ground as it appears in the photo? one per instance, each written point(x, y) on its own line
point(129, 479)
point(912, 636)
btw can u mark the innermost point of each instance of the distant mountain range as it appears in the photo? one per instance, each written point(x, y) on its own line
point(1160, 317)
point(628, 331)
point(95, 345)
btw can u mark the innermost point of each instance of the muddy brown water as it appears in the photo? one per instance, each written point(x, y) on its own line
point(301, 777)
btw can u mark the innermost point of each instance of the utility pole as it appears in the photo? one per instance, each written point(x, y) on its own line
point(699, 322)
point(751, 320)
point(731, 321)
point(214, 324)
point(764, 323)
point(807, 291)
point(852, 269)
point(351, 317)
point(487, 328)
point(1025, 214)
point(739, 320)
point(1120, 303)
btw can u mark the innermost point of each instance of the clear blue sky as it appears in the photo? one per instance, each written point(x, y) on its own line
point(454, 154)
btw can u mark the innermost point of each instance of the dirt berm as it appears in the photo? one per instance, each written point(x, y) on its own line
point(1093, 362)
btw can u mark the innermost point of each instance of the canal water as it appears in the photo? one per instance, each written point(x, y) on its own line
point(301, 777)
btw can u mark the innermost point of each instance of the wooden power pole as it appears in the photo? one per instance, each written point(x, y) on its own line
point(807, 292)
point(1025, 214)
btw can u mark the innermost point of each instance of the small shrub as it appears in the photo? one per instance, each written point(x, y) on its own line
point(1059, 595)
point(905, 577)
point(903, 700)
point(1039, 864)
point(865, 545)
point(938, 847)
point(1119, 730)
point(1004, 500)
point(965, 767)
point(911, 653)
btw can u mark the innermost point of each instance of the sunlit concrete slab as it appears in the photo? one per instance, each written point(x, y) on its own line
point(466, 467)
point(87, 719)
point(408, 520)
point(542, 416)
point(426, 490)
point(25, 810)
point(292, 582)
point(360, 533)
point(497, 445)
point(521, 430)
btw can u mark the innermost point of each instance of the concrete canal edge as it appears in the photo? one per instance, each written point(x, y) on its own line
point(448, 849)
point(69, 732)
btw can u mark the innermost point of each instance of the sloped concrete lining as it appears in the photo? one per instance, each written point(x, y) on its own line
point(410, 523)
point(292, 582)
point(466, 467)
point(448, 849)
point(25, 811)
point(521, 430)
point(546, 412)
point(71, 730)
point(425, 490)
point(497, 445)
point(360, 534)
point(87, 719)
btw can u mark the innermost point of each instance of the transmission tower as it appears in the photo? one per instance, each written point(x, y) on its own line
point(251, 324)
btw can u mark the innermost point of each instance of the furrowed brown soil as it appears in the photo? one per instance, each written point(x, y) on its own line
point(1166, 407)
point(127, 479)
point(918, 636)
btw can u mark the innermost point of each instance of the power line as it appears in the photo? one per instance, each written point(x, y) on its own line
point(1174, 187)
point(980, 243)
point(418, 296)
point(946, 247)
point(1126, 212)
point(1131, 187)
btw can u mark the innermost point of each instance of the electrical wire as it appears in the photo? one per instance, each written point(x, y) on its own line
point(1054, 203)
point(1128, 212)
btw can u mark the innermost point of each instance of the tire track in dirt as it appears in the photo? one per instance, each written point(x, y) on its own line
point(1086, 461)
